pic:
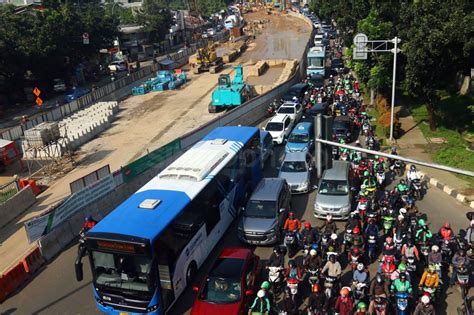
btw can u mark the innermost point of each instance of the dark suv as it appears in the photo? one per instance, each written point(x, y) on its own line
point(343, 128)
point(296, 90)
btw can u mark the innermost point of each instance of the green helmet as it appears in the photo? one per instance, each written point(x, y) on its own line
point(402, 267)
point(431, 268)
point(361, 306)
point(376, 157)
point(265, 285)
point(366, 173)
point(421, 222)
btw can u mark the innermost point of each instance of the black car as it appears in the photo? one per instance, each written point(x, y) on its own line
point(296, 90)
point(343, 128)
point(316, 80)
point(337, 66)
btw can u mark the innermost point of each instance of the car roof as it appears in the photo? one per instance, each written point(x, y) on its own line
point(343, 118)
point(338, 171)
point(295, 156)
point(268, 189)
point(302, 127)
point(278, 118)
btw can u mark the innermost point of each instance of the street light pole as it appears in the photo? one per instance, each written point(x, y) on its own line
point(395, 41)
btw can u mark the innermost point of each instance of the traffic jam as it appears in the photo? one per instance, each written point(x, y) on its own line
point(319, 266)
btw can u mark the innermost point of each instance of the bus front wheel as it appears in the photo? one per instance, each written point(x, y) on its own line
point(191, 272)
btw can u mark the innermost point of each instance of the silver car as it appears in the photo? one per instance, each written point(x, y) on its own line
point(297, 168)
point(334, 194)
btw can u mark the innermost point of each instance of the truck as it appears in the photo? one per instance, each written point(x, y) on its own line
point(230, 93)
point(316, 60)
point(205, 59)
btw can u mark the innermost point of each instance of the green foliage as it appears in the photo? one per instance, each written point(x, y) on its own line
point(208, 7)
point(156, 19)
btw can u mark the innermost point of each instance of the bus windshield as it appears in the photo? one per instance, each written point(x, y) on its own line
point(121, 271)
point(316, 62)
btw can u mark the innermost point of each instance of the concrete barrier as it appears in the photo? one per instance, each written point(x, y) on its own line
point(16, 205)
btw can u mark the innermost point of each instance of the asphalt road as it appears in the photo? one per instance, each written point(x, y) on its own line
point(55, 290)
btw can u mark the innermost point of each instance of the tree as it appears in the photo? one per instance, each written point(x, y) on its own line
point(435, 35)
point(155, 18)
point(208, 7)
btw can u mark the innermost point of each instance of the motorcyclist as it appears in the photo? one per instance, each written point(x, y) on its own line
point(289, 305)
point(389, 247)
point(313, 261)
point(402, 268)
point(425, 307)
point(293, 224)
point(409, 250)
point(402, 187)
point(261, 304)
point(332, 267)
point(360, 274)
point(361, 309)
point(459, 259)
point(293, 271)
point(400, 224)
point(316, 298)
point(371, 229)
point(379, 164)
point(378, 288)
point(353, 221)
point(430, 278)
point(470, 233)
point(423, 233)
point(357, 240)
point(277, 259)
point(386, 199)
point(446, 232)
point(344, 303)
point(309, 235)
point(401, 285)
point(368, 181)
point(329, 227)
point(413, 174)
point(89, 223)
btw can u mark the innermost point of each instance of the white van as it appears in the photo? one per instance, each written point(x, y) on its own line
point(279, 128)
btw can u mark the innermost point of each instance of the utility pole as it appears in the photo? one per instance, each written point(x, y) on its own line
point(363, 46)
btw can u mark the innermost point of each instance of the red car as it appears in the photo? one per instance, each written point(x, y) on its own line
point(230, 284)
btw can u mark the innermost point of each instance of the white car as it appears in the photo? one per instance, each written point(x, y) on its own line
point(319, 40)
point(117, 66)
point(279, 128)
point(294, 110)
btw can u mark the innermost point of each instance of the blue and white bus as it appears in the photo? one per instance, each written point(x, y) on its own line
point(146, 251)
point(316, 61)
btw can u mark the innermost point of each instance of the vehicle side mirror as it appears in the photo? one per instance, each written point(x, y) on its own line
point(196, 288)
point(315, 187)
point(249, 293)
point(78, 269)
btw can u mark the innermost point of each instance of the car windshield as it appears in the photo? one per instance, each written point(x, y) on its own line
point(338, 124)
point(221, 290)
point(286, 110)
point(260, 209)
point(337, 63)
point(274, 126)
point(298, 138)
point(333, 187)
point(127, 272)
point(315, 62)
point(293, 167)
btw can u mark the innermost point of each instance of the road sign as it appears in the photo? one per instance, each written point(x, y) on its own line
point(360, 41)
point(85, 38)
point(36, 91)
point(39, 101)
point(359, 55)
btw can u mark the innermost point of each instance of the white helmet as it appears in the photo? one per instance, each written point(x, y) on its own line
point(260, 293)
point(313, 252)
point(435, 248)
point(425, 299)
point(403, 211)
point(357, 142)
point(334, 236)
point(401, 217)
point(360, 266)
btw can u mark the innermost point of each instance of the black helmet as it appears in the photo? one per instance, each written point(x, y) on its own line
point(410, 242)
point(379, 278)
point(386, 193)
point(413, 168)
point(462, 252)
point(277, 249)
point(292, 264)
point(332, 258)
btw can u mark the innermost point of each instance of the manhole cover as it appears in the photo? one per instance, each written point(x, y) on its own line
point(437, 140)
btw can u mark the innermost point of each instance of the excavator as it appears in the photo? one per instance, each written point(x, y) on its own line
point(205, 59)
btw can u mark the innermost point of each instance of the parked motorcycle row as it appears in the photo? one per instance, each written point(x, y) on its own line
point(415, 262)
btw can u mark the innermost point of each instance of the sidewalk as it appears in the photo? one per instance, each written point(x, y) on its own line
point(413, 144)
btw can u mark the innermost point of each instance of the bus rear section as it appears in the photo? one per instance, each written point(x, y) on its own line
point(316, 59)
point(147, 250)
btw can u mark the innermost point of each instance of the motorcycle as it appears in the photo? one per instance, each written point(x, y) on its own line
point(463, 280)
point(346, 243)
point(355, 257)
point(291, 243)
point(360, 292)
point(432, 291)
point(313, 276)
point(380, 305)
point(366, 128)
point(399, 239)
point(411, 265)
point(293, 285)
point(329, 286)
point(362, 206)
point(372, 248)
point(402, 303)
point(415, 188)
point(275, 277)
point(424, 247)
point(397, 168)
point(446, 252)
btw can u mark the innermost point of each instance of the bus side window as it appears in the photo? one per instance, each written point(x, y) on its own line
point(210, 200)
